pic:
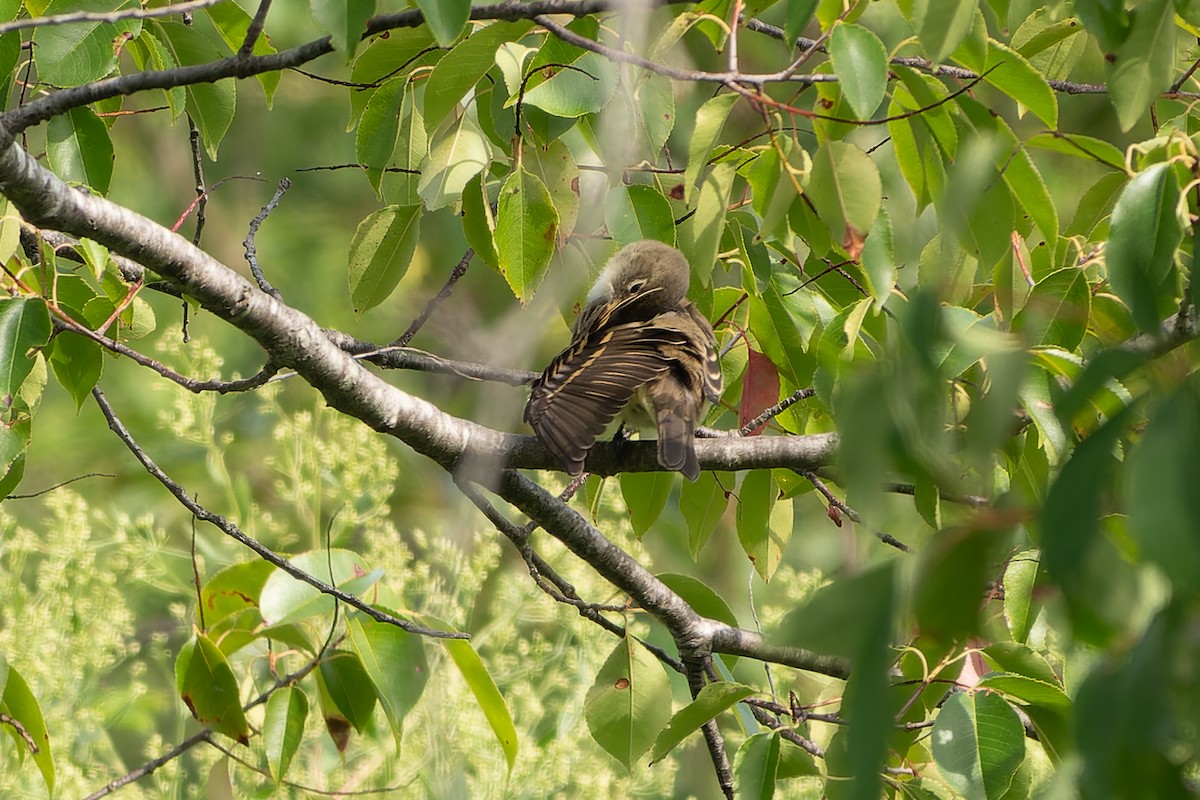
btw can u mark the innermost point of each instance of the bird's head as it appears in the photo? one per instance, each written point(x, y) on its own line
point(649, 268)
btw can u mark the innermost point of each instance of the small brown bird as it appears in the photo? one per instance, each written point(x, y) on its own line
point(638, 339)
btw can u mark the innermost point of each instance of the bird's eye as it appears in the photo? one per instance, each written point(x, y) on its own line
point(636, 287)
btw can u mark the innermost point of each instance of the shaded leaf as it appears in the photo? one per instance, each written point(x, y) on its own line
point(209, 688)
point(383, 248)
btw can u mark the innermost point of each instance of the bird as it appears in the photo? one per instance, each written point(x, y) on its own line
point(638, 345)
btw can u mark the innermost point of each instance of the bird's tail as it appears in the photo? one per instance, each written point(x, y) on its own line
point(677, 443)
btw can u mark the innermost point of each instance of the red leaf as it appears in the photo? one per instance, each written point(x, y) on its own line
point(760, 389)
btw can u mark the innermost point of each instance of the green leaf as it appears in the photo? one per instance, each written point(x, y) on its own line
point(210, 105)
point(629, 703)
point(457, 153)
point(868, 693)
point(846, 189)
point(1080, 146)
point(645, 495)
point(478, 222)
point(234, 589)
point(382, 249)
point(710, 120)
point(1107, 20)
point(526, 230)
point(72, 55)
point(711, 701)
point(703, 600)
point(978, 743)
point(571, 93)
point(556, 168)
point(77, 363)
point(209, 688)
point(1144, 64)
point(411, 147)
point(762, 544)
point(831, 621)
point(700, 235)
point(633, 213)
point(1028, 690)
point(755, 766)
point(1057, 310)
point(346, 684)
point(384, 59)
point(1020, 659)
point(1146, 231)
point(952, 576)
point(861, 63)
point(1009, 72)
point(285, 599)
point(24, 324)
point(1163, 477)
point(345, 21)
point(283, 729)
point(395, 661)
point(490, 701)
point(377, 129)
point(656, 112)
point(1020, 576)
point(773, 189)
point(879, 259)
point(1126, 715)
point(447, 18)
point(941, 25)
point(79, 149)
point(703, 503)
point(799, 13)
point(158, 56)
point(464, 66)
point(1075, 554)
point(19, 703)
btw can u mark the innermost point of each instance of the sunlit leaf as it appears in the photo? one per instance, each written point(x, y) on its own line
point(978, 743)
point(629, 703)
point(526, 230)
point(283, 728)
point(860, 60)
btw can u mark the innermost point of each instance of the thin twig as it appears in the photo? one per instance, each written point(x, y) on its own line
point(548, 580)
point(834, 501)
point(231, 530)
point(109, 16)
point(459, 270)
point(41, 492)
point(248, 242)
point(261, 378)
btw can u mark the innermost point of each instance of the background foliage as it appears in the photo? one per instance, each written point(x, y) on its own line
point(957, 234)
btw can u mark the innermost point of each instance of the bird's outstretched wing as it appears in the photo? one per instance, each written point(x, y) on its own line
point(588, 384)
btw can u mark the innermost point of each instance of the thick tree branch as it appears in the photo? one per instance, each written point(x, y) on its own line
point(694, 635)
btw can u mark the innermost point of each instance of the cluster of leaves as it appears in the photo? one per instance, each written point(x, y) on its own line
point(916, 229)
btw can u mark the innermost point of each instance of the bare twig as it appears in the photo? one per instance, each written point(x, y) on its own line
point(231, 530)
point(248, 243)
point(107, 16)
point(459, 270)
point(837, 503)
point(68, 481)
